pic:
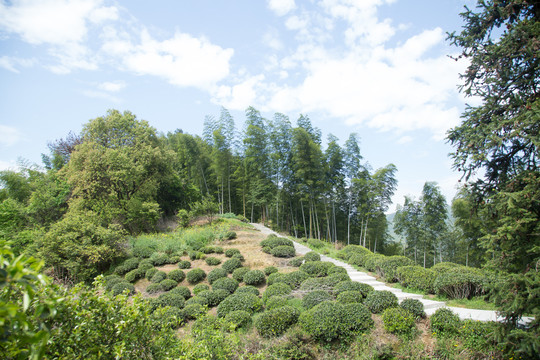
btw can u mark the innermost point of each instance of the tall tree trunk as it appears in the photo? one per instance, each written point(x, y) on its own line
point(303, 217)
point(365, 231)
point(361, 231)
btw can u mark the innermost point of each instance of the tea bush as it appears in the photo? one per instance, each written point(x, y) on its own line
point(193, 311)
point(296, 262)
point(150, 272)
point(170, 299)
point(314, 298)
point(173, 259)
point(316, 268)
point(325, 283)
point(276, 321)
point(214, 297)
point(444, 266)
point(416, 277)
point(246, 302)
point(283, 251)
point(231, 264)
point(181, 290)
point(200, 287)
point(270, 270)
point(272, 242)
point(348, 285)
point(378, 301)
point(216, 274)
point(168, 284)
point(238, 274)
point(154, 288)
point(254, 277)
point(444, 322)
point(248, 289)
point(461, 283)
point(316, 243)
point(312, 256)
point(272, 278)
point(121, 286)
point(225, 283)
point(176, 275)
point(239, 257)
point(196, 255)
point(337, 270)
point(212, 261)
point(127, 266)
point(159, 277)
point(347, 297)
point(159, 259)
point(231, 252)
point(372, 260)
point(111, 280)
point(293, 279)
point(240, 318)
point(414, 306)
point(276, 301)
point(184, 264)
point(168, 317)
point(266, 249)
point(276, 289)
point(134, 275)
point(338, 277)
point(398, 321)
point(195, 276)
point(197, 300)
point(142, 251)
point(145, 265)
point(387, 266)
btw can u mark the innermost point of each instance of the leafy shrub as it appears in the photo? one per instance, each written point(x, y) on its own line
point(240, 318)
point(276, 321)
point(478, 335)
point(416, 277)
point(216, 274)
point(181, 290)
point(239, 257)
point(231, 264)
point(444, 322)
point(150, 272)
point(296, 262)
point(267, 249)
point(134, 275)
point(372, 261)
point(387, 266)
point(154, 288)
point(246, 302)
point(214, 297)
point(273, 241)
point(231, 252)
point(168, 284)
point(159, 259)
point(208, 250)
point(347, 297)
point(199, 288)
point(168, 317)
point(225, 283)
point(414, 306)
point(444, 266)
point(173, 259)
point(184, 264)
point(314, 298)
point(197, 300)
point(276, 289)
point(273, 277)
point(121, 287)
point(144, 266)
point(111, 280)
point(131, 263)
point(176, 275)
point(229, 235)
point(316, 243)
point(183, 218)
point(142, 251)
point(364, 289)
point(338, 277)
point(398, 321)
point(195, 255)
point(337, 270)
point(195, 276)
point(238, 274)
point(293, 279)
point(254, 277)
point(317, 268)
point(159, 277)
point(283, 251)
point(170, 299)
point(270, 270)
point(378, 301)
point(461, 282)
point(193, 311)
point(248, 289)
point(325, 283)
point(276, 301)
point(212, 261)
point(312, 256)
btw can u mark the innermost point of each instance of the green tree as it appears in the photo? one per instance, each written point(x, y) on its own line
point(434, 218)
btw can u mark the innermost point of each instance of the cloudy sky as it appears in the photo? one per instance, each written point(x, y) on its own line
point(379, 68)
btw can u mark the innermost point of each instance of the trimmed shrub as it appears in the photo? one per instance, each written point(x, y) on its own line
point(181, 290)
point(199, 288)
point(327, 284)
point(240, 318)
point(184, 264)
point(193, 311)
point(378, 301)
point(168, 284)
point(414, 306)
point(348, 297)
point(416, 277)
point(273, 241)
point(398, 321)
point(229, 235)
point(238, 274)
point(276, 321)
point(131, 263)
point(276, 301)
point(357, 318)
point(296, 262)
point(276, 289)
point(145, 265)
point(372, 260)
point(231, 252)
point(314, 298)
point(142, 251)
point(270, 270)
point(445, 266)
point(225, 283)
point(316, 243)
point(461, 282)
point(120, 287)
point(168, 317)
point(317, 268)
point(159, 277)
point(134, 275)
point(267, 249)
point(150, 272)
point(216, 274)
point(154, 288)
point(273, 277)
point(197, 300)
point(444, 322)
point(214, 297)
point(364, 289)
point(170, 299)
point(337, 270)
point(293, 279)
point(173, 259)
point(239, 257)
point(159, 259)
point(176, 275)
point(111, 280)
point(312, 256)
point(387, 266)
point(283, 251)
point(248, 289)
point(254, 277)
point(196, 255)
point(348, 251)
point(212, 261)
point(338, 277)
point(246, 302)
point(212, 250)
point(195, 276)
point(231, 264)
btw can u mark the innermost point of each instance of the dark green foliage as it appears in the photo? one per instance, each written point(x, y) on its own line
point(168, 284)
point(398, 321)
point(270, 270)
point(371, 262)
point(159, 276)
point(347, 297)
point(461, 282)
point(293, 279)
point(231, 264)
point(173, 259)
point(387, 266)
point(317, 268)
point(159, 259)
point(378, 301)
point(414, 306)
point(312, 256)
point(240, 318)
point(267, 249)
point(150, 272)
point(134, 275)
point(325, 283)
point(142, 251)
point(275, 302)
point(479, 336)
point(248, 289)
point(195, 255)
point(444, 266)
point(338, 277)
point(231, 252)
point(184, 264)
point(214, 297)
point(215, 274)
point(200, 287)
point(276, 289)
point(170, 299)
point(225, 283)
point(120, 287)
point(111, 280)
point(314, 298)
point(229, 235)
point(444, 322)
point(154, 288)
point(238, 274)
point(296, 262)
point(276, 321)
point(212, 261)
point(131, 263)
point(283, 251)
point(337, 270)
point(273, 277)
point(145, 265)
point(195, 276)
point(364, 289)
point(197, 300)
point(181, 290)
point(176, 275)
point(316, 243)
point(246, 302)
point(193, 311)
point(273, 242)
point(168, 317)
point(212, 250)
point(239, 257)
point(416, 277)
point(254, 277)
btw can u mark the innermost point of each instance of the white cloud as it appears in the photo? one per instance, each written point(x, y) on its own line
point(7, 165)
point(9, 135)
point(101, 95)
point(239, 96)
point(405, 139)
point(12, 63)
point(112, 86)
point(281, 7)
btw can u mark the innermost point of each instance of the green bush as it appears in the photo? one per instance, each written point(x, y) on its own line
point(270, 270)
point(193, 311)
point(159, 277)
point(154, 288)
point(150, 272)
point(416, 277)
point(348, 251)
point(444, 323)
point(170, 299)
point(176, 275)
point(276, 321)
point(293, 279)
point(225, 283)
point(144, 266)
point(121, 287)
point(134, 275)
point(254, 277)
point(131, 263)
point(183, 218)
point(296, 262)
point(199, 288)
point(168, 284)
point(159, 259)
point(195, 276)
point(414, 306)
point(445, 266)
point(195, 255)
point(181, 290)
point(184, 264)
point(461, 283)
point(111, 280)
point(387, 266)
point(378, 301)
point(276, 289)
point(212, 261)
point(315, 298)
point(273, 242)
point(173, 259)
point(347, 297)
point(371, 262)
point(229, 235)
point(272, 278)
point(231, 252)
point(238, 274)
point(197, 300)
point(267, 249)
point(168, 317)
point(231, 264)
point(216, 274)
point(317, 268)
point(207, 250)
point(316, 243)
point(337, 270)
point(479, 336)
point(246, 302)
point(312, 256)
point(240, 319)
point(325, 283)
point(364, 289)
point(398, 321)
point(338, 277)
point(214, 297)
point(276, 301)
point(283, 251)
point(142, 251)
point(248, 289)
point(239, 257)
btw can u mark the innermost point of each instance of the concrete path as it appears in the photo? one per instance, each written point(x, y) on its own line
point(430, 306)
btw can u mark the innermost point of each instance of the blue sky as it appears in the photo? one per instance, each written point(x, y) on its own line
point(379, 68)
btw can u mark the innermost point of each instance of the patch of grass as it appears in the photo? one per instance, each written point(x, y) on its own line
point(477, 303)
point(406, 289)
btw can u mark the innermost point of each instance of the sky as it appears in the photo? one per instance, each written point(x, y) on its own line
point(378, 68)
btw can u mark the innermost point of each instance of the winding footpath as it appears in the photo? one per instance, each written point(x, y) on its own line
point(430, 306)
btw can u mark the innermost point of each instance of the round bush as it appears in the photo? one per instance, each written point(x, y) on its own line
point(444, 322)
point(239, 257)
point(214, 297)
point(195, 255)
point(415, 306)
point(338, 277)
point(131, 263)
point(212, 261)
point(364, 289)
point(181, 290)
point(246, 302)
point(267, 249)
point(248, 289)
point(225, 283)
point(349, 297)
point(254, 277)
point(176, 275)
point(159, 277)
point(240, 318)
point(197, 300)
point(199, 288)
point(274, 241)
point(314, 298)
point(337, 270)
point(416, 277)
point(276, 321)
point(283, 251)
point(121, 286)
point(238, 274)
point(173, 259)
point(195, 276)
point(293, 279)
point(272, 278)
point(142, 251)
point(296, 262)
point(229, 235)
point(154, 288)
point(372, 261)
point(270, 270)
point(356, 318)
point(461, 283)
point(276, 289)
point(216, 274)
point(184, 264)
point(231, 252)
point(231, 264)
point(150, 272)
point(387, 266)
point(378, 301)
point(398, 321)
point(193, 311)
point(134, 275)
point(276, 301)
point(159, 259)
point(316, 243)
point(168, 284)
point(170, 299)
point(317, 268)
point(145, 264)
point(323, 283)
point(444, 266)
point(312, 256)
point(168, 317)
point(111, 280)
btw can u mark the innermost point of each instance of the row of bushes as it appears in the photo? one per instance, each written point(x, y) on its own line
point(278, 246)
